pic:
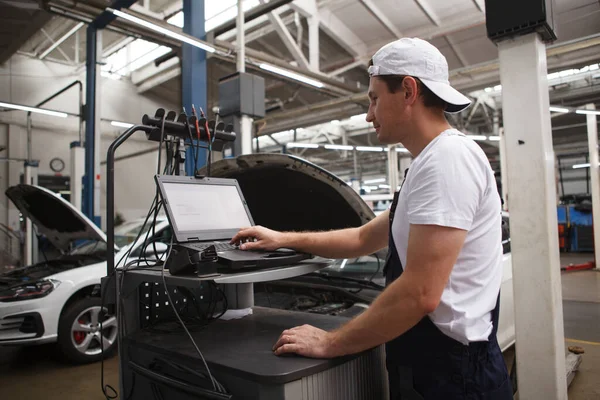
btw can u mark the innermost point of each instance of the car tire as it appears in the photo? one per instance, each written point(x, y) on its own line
point(79, 335)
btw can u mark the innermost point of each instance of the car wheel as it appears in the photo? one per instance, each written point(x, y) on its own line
point(79, 335)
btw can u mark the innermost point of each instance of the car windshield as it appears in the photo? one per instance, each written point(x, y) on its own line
point(124, 235)
point(364, 268)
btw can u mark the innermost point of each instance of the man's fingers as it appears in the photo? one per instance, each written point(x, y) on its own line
point(260, 245)
point(287, 348)
point(283, 340)
point(242, 233)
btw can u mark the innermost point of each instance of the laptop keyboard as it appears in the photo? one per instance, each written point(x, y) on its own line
point(219, 246)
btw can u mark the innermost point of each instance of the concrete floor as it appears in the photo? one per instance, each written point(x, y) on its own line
point(35, 372)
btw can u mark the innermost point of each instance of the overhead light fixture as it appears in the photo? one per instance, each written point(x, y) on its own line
point(477, 137)
point(374, 181)
point(160, 29)
point(290, 74)
point(588, 112)
point(384, 186)
point(494, 138)
point(34, 109)
point(121, 124)
point(338, 147)
point(402, 150)
point(302, 145)
point(368, 148)
point(559, 110)
point(586, 165)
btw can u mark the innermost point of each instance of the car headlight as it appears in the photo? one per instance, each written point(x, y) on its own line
point(28, 291)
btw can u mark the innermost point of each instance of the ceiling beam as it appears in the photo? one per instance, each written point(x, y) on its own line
point(450, 26)
point(381, 17)
point(61, 51)
point(150, 76)
point(459, 54)
point(348, 67)
point(288, 40)
point(480, 5)
point(265, 30)
point(23, 35)
point(426, 8)
point(339, 32)
point(61, 40)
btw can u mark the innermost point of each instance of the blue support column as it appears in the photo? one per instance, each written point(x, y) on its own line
point(193, 71)
point(90, 124)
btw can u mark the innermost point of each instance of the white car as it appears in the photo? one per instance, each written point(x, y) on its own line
point(59, 300)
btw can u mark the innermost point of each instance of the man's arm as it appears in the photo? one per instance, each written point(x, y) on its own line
point(343, 243)
point(432, 253)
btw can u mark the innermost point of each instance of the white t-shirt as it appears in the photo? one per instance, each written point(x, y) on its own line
point(450, 183)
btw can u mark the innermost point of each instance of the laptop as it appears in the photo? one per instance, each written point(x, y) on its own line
point(210, 211)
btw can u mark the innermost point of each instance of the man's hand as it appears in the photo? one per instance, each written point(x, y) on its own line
point(305, 340)
point(266, 239)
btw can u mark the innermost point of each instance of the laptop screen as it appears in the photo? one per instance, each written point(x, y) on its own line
point(197, 207)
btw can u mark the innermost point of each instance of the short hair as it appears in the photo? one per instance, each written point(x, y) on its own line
point(430, 99)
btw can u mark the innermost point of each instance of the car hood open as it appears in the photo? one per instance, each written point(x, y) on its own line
point(54, 217)
point(287, 193)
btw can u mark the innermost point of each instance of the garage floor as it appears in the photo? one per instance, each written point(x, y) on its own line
point(34, 372)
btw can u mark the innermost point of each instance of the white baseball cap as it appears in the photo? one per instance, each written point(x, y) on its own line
point(420, 59)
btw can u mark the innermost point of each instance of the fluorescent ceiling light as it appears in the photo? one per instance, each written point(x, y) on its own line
point(494, 138)
point(588, 112)
point(384, 186)
point(576, 166)
point(121, 124)
point(374, 180)
point(368, 188)
point(162, 30)
point(34, 109)
point(368, 148)
point(402, 150)
point(290, 74)
point(559, 110)
point(477, 137)
point(302, 145)
point(338, 147)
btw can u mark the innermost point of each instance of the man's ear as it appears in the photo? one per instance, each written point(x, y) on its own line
point(411, 92)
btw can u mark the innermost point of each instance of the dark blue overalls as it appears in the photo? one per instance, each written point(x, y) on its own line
point(425, 364)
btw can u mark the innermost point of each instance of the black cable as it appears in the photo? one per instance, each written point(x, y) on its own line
point(372, 276)
point(267, 293)
point(105, 388)
point(162, 136)
point(181, 322)
point(184, 368)
point(189, 129)
point(378, 268)
point(213, 136)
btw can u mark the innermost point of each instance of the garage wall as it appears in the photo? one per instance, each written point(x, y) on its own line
point(27, 81)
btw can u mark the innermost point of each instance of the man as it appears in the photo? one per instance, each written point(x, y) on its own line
point(439, 312)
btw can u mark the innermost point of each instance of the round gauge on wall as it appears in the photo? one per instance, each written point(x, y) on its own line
point(57, 164)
